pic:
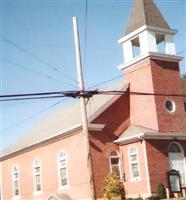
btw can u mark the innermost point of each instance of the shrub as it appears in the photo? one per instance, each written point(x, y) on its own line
point(112, 188)
point(161, 191)
point(153, 198)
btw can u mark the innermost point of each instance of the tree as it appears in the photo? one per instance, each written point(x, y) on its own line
point(112, 189)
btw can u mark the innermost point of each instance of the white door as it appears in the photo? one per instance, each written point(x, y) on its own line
point(177, 161)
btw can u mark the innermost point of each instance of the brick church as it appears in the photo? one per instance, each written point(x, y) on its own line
point(141, 135)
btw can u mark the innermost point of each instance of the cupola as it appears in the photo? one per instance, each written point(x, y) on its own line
point(147, 34)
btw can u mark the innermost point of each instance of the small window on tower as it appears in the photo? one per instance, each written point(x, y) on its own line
point(135, 47)
point(170, 106)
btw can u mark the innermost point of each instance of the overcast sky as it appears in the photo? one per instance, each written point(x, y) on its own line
point(37, 51)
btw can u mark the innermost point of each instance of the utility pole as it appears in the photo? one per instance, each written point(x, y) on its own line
point(83, 105)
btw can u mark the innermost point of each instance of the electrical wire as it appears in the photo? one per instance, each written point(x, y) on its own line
point(35, 72)
point(106, 81)
point(51, 45)
point(77, 94)
point(117, 77)
point(37, 58)
point(20, 103)
point(117, 92)
point(180, 52)
point(32, 98)
point(38, 94)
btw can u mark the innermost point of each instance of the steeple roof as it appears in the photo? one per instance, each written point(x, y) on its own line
point(145, 12)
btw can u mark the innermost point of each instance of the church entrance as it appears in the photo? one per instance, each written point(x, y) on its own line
point(177, 161)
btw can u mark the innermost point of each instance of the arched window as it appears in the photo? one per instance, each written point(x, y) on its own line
point(133, 157)
point(15, 178)
point(37, 175)
point(174, 148)
point(114, 161)
point(177, 160)
point(62, 164)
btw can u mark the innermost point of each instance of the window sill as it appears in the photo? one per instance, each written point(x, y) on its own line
point(63, 187)
point(16, 197)
point(135, 179)
point(37, 193)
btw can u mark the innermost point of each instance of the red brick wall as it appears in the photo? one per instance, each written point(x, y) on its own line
point(143, 110)
point(116, 118)
point(156, 76)
point(158, 161)
point(166, 80)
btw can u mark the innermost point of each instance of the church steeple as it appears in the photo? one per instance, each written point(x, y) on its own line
point(147, 35)
point(145, 12)
point(151, 66)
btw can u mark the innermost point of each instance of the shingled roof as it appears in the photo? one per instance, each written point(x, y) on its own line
point(63, 120)
point(145, 12)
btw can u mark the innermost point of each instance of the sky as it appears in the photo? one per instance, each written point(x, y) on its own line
point(37, 51)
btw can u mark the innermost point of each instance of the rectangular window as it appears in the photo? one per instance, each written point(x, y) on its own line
point(114, 160)
point(37, 176)
point(133, 156)
point(62, 163)
point(15, 177)
point(16, 188)
point(135, 171)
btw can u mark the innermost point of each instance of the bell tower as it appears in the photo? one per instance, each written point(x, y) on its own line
point(151, 67)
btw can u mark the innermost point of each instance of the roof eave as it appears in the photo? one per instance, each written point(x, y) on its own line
point(64, 134)
point(146, 27)
point(154, 136)
point(152, 55)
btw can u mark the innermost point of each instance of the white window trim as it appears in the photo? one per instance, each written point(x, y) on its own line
point(58, 170)
point(119, 164)
point(13, 180)
point(173, 104)
point(34, 175)
point(132, 178)
point(179, 145)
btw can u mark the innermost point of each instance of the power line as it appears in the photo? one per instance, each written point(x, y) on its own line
point(67, 93)
point(47, 95)
point(20, 103)
point(106, 81)
point(54, 45)
point(32, 98)
point(38, 59)
point(33, 71)
point(117, 77)
point(180, 52)
point(117, 92)
point(77, 94)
